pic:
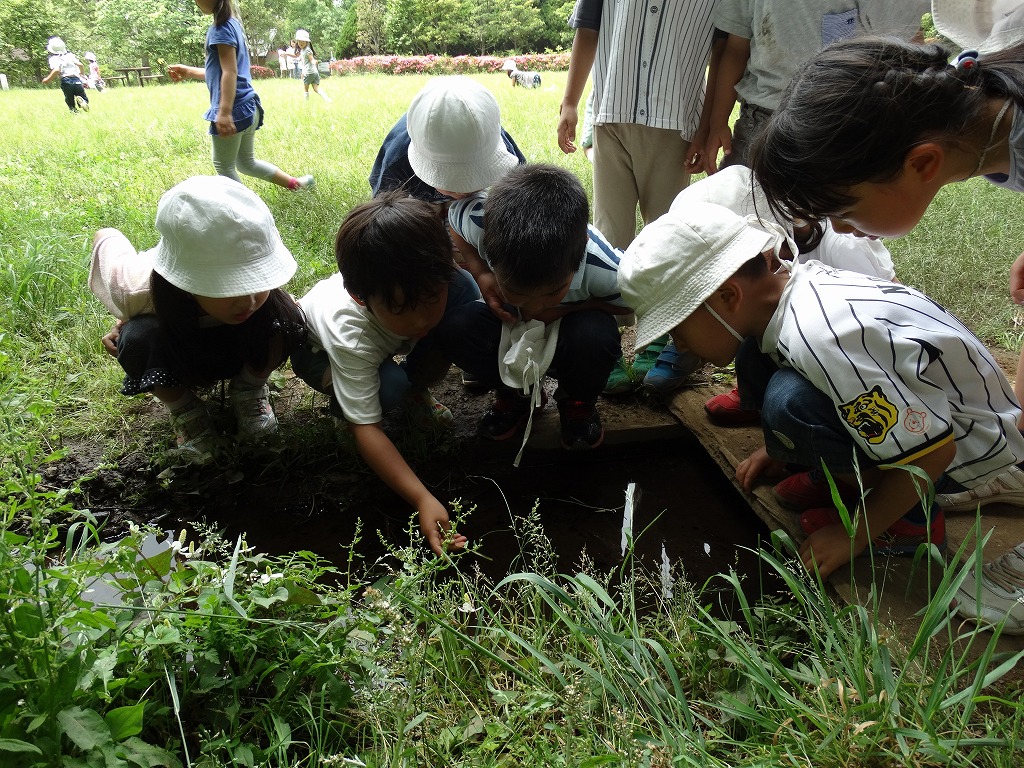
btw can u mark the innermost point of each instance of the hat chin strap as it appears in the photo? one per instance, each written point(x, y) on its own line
point(725, 325)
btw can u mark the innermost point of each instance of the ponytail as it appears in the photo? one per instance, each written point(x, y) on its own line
point(222, 12)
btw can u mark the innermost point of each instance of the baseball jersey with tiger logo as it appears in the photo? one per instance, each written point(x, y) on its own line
point(906, 376)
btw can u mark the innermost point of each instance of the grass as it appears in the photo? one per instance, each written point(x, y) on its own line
point(241, 659)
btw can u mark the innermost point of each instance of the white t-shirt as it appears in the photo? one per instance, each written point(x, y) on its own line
point(67, 63)
point(356, 344)
point(905, 374)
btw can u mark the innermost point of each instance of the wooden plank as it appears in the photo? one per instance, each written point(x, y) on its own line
point(901, 589)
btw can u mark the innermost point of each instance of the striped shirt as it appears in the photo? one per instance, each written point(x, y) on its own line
point(906, 376)
point(597, 276)
point(650, 60)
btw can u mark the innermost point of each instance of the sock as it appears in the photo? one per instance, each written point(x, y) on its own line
point(293, 184)
point(246, 379)
point(307, 95)
point(183, 403)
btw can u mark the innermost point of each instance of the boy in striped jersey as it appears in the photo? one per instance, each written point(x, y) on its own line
point(535, 257)
point(850, 371)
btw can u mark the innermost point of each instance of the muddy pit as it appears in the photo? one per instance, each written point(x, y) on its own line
point(304, 493)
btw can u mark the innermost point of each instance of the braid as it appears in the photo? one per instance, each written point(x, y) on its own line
point(853, 112)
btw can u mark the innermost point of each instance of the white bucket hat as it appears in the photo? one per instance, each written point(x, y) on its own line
point(56, 46)
point(679, 260)
point(509, 65)
point(218, 239)
point(90, 56)
point(301, 36)
point(734, 188)
point(982, 25)
point(454, 126)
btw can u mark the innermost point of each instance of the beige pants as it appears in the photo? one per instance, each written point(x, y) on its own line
point(635, 164)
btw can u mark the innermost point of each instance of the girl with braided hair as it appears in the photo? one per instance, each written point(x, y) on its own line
point(867, 133)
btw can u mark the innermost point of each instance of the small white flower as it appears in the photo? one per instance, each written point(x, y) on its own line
point(467, 604)
point(265, 578)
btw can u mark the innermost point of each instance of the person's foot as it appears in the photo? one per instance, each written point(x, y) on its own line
point(671, 370)
point(901, 538)
point(82, 103)
point(473, 383)
point(426, 412)
point(196, 437)
point(1007, 488)
point(725, 410)
point(254, 415)
point(996, 594)
point(806, 490)
point(507, 415)
point(624, 377)
point(581, 425)
point(306, 182)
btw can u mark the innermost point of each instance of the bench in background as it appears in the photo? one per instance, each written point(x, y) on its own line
point(152, 77)
point(122, 79)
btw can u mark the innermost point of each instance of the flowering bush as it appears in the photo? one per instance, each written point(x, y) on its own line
point(447, 65)
point(261, 73)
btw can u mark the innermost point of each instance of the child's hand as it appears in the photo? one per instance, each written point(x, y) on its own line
point(568, 117)
point(110, 340)
point(225, 126)
point(756, 464)
point(1017, 280)
point(177, 72)
point(829, 548)
point(435, 525)
point(491, 294)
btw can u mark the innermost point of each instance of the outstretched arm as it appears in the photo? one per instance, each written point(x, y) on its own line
point(179, 72)
point(383, 457)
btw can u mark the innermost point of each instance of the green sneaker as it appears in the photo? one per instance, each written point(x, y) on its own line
point(426, 413)
point(624, 377)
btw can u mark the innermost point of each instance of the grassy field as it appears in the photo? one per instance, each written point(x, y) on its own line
point(238, 659)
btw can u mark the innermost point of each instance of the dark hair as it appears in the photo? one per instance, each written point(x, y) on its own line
point(535, 225)
point(189, 357)
point(222, 11)
point(853, 112)
point(394, 249)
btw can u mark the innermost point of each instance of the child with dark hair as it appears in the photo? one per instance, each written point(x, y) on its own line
point(396, 283)
point(306, 55)
point(529, 246)
point(856, 373)
point(235, 112)
point(890, 123)
point(205, 304)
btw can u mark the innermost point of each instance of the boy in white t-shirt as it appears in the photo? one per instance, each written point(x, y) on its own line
point(397, 282)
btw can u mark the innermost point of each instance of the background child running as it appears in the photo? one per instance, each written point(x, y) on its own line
point(66, 65)
point(235, 112)
point(310, 70)
point(205, 304)
point(535, 257)
point(850, 371)
point(397, 282)
point(916, 123)
point(95, 80)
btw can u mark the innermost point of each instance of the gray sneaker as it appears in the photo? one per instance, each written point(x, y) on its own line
point(997, 594)
point(195, 434)
point(306, 182)
point(1007, 488)
point(253, 412)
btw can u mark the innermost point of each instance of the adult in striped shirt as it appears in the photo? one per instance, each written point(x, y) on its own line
point(858, 374)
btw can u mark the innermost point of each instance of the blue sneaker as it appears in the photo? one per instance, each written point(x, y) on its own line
point(671, 370)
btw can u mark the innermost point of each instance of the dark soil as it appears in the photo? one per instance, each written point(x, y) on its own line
point(306, 490)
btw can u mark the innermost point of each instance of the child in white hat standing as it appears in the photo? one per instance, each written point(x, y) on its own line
point(95, 80)
point(66, 65)
point(309, 63)
point(205, 304)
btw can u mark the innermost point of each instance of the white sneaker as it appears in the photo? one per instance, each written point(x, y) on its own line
point(1007, 488)
point(253, 412)
point(81, 103)
point(997, 595)
point(306, 182)
point(195, 433)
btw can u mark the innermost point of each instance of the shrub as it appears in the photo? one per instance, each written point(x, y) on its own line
point(261, 73)
point(447, 65)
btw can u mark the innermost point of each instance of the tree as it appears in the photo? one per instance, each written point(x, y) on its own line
point(506, 24)
point(371, 19)
point(146, 30)
point(25, 26)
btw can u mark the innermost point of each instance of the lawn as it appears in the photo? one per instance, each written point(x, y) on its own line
point(235, 658)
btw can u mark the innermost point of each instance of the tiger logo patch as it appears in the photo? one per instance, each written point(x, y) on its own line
point(871, 414)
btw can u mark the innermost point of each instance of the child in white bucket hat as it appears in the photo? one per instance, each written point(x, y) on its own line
point(70, 70)
point(849, 371)
point(205, 304)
